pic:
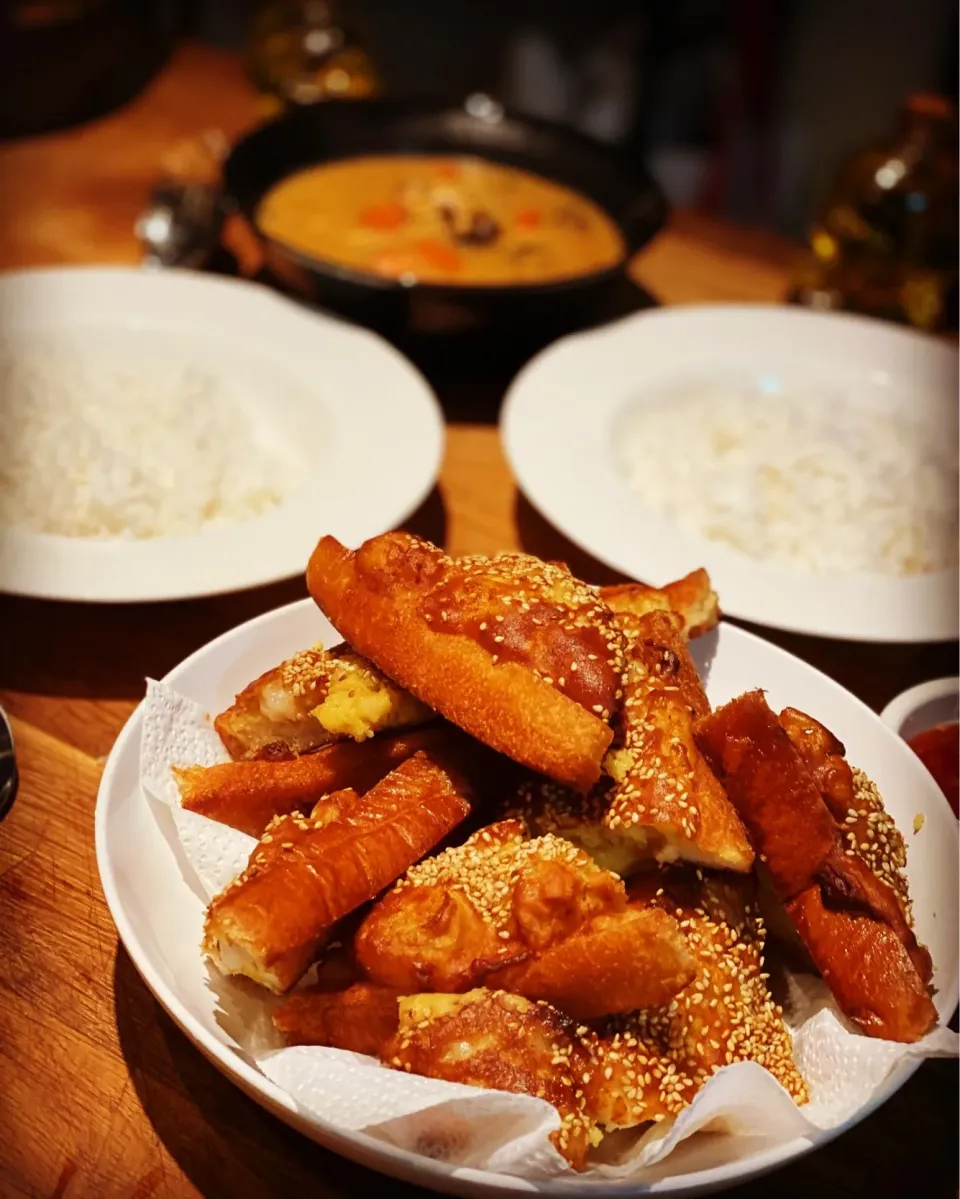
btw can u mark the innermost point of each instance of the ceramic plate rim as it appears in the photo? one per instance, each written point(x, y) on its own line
point(223, 559)
point(361, 1147)
point(903, 705)
point(592, 510)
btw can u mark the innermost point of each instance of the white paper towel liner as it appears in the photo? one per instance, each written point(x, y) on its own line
point(493, 1130)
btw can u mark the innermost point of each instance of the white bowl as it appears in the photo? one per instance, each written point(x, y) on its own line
point(564, 414)
point(367, 428)
point(923, 706)
point(159, 915)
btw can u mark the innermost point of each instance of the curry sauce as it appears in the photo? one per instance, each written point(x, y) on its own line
point(451, 221)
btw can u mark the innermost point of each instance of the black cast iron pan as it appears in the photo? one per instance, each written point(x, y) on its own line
point(480, 127)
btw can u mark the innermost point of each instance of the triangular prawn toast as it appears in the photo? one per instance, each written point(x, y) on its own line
point(852, 921)
point(515, 651)
point(666, 799)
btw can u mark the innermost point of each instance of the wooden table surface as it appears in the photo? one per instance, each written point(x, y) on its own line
point(100, 1094)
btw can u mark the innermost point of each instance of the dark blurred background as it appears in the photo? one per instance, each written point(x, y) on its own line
point(743, 108)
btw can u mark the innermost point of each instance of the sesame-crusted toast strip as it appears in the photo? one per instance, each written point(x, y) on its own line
point(270, 718)
point(307, 873)
point(848, 916)
point(247, 795)
point(504, 1042)
point(617, 963)
point(692, 598)
point(316, 697)
point(651, 1063)
point(666, 794)
point(387, 600)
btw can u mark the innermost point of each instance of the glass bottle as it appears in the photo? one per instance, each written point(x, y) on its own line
point(885, 240)
point(303, 51)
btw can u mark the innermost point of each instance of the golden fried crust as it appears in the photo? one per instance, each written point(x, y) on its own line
point(312, 699)
point(616, 963)
point(535, 917)
point(494, 901)
point(429, 939)
point(652, 1063)
point(854, 802)
point(847, 881)
point(362, 1018)
point(502, 1042)
point(518, 653)
point(852, 922)
point(307, 873)
point(547, 807)
point(247, 795)
point(692, 598)
point(865, 965)
point(270, 718)
point(666, 795)
point(775, 794)
point(823, 755)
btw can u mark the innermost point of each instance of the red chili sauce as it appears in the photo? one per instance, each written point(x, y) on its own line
point(938, 749)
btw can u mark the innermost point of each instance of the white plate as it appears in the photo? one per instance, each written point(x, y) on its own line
point(152, 905)
point(365, 423)
point(561, 416)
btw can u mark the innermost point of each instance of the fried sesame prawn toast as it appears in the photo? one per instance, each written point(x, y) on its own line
point(616, 963)
point(536, 917)
point(666, 799)
point(547, 807)
point(776, 796)
point(866, 965)
point(854, 802)
point(312, 699)
point(517, 652)
point(307, 873)
point(823, 754)
point(851, 920)
point(650, 1064)
point(361, 1018)
point(502, 1042)
point(248, 794)
point(692, 598)
point(480, 906)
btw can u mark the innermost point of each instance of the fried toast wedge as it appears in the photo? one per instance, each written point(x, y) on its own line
point(851, 921)
point(691, 598)
point(315, 698)
point(666, 798)
point(249, 793)
point(533, 916)
point(307, 873)
point(503, 1042)
point(651, 1063)
point(518, 653)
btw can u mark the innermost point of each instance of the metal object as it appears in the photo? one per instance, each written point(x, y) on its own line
point(484, 108)
point(9, 776)
point(477, 125)
point(182, 225)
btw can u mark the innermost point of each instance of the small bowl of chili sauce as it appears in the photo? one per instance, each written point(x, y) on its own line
point(926, 717)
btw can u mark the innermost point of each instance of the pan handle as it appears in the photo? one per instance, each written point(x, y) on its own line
point(647, 212)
